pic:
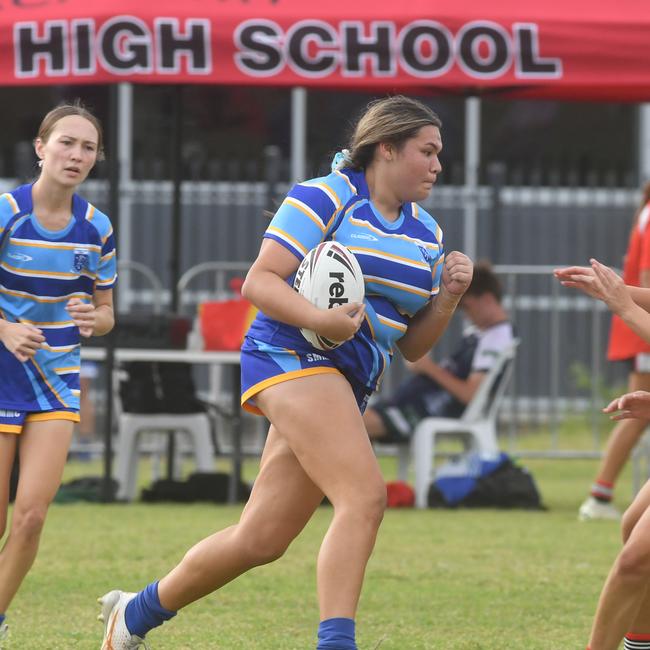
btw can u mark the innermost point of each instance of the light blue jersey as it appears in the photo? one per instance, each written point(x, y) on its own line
point(401, 262)
point(40, 270)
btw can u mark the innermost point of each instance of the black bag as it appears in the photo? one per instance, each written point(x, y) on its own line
point(200, 486)
point(158, 387)
point(507, 486)
point(85, 488)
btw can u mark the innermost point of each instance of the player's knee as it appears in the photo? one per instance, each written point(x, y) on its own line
point(628, 522)
point(366, 504)
point(28, 524)
point(633, 563)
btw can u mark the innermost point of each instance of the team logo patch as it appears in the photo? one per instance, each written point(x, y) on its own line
point(425, 254)
point(81, 260)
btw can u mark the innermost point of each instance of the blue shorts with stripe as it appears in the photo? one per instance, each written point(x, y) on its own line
point(12, 421)
point(264, 364)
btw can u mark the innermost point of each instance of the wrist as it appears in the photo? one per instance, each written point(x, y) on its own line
point(446, 302)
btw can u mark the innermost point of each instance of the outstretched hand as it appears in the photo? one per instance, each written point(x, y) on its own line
point(597, 281)
point(634, 405)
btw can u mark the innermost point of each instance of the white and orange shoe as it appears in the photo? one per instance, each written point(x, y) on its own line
point(593, 509)
point(116, 634)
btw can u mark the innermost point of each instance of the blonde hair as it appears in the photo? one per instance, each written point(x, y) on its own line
point(393, 120)
point(65, 110)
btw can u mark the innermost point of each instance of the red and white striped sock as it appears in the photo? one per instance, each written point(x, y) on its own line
point(602, 491)
point(637, 641)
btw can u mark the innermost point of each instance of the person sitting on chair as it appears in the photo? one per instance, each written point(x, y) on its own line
point(444, 389)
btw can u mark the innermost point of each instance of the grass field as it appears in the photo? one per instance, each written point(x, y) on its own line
point(461, 580)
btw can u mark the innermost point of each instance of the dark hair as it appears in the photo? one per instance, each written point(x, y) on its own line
point(392, 119)
point(64, 110)
point(484, 281)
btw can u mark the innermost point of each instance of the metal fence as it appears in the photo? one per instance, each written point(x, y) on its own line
point(523, 231)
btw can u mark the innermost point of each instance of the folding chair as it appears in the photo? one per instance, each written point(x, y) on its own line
point(478, 424)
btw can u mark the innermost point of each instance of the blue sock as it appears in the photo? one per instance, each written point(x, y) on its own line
point(2, 618)
point(336, 634)
point(145, 612)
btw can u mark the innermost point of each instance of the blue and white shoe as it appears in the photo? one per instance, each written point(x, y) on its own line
point(116, 634)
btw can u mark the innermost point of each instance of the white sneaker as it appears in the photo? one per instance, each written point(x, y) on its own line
point(4, 633)
point(594, 509)
point(116, 634)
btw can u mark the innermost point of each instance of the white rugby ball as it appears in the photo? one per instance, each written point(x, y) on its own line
point(329, 276)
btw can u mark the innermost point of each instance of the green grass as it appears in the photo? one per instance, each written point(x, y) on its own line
point(461, 580)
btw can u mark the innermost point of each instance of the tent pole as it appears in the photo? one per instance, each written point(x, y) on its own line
point(125, 156)
point(177, 177)
point(298, 134)
point(114, 213)
point(472, 163)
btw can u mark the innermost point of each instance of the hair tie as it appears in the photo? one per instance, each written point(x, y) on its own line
point(341, 159)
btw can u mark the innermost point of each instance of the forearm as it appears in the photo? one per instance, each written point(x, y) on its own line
point(275, 298)
point(459, 388)
point(428, 325)
point(641, 296)
point(637, 319)
point(104, 320)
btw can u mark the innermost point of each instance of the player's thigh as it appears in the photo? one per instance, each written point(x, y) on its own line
point(635, 510)
point(319, 418)
point(43, 453)
point(7, 453)
point(637, 547)
point(283, 497)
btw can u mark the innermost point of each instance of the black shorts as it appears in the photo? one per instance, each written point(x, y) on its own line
point(416, 398)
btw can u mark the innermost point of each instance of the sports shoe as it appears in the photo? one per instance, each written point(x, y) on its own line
point(4, 633)
point(594, 509)
point(116, 634)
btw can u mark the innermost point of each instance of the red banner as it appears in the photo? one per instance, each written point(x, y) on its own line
point(573, 49)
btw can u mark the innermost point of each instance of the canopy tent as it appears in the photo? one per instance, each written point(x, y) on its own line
point(575, 49)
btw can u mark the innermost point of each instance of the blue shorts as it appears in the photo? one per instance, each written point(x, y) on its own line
point(14, 421)
point(264, 365)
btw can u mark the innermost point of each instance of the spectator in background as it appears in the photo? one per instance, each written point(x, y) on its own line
point(625, 345)
point(444, 389)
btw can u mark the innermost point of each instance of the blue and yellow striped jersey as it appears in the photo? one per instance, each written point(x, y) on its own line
point(40, 270)
point(401, 263)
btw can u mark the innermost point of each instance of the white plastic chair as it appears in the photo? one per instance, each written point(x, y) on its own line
point(132, 426)
point(478, 424)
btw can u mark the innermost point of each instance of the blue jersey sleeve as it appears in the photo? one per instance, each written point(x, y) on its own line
point(437, 252)
point(107, 269)
point(8, 208)
point(308, 214)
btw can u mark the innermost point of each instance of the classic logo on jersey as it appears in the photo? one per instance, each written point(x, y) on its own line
point(81, 259)
point(363, 235)
point(20, 256)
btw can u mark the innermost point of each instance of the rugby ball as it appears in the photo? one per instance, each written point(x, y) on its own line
point(329, 276)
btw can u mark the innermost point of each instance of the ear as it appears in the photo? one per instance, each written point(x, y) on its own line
point(38, 148)
point(386, 151)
